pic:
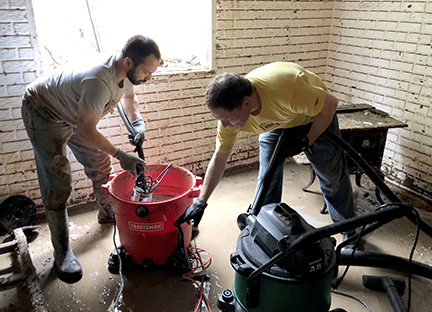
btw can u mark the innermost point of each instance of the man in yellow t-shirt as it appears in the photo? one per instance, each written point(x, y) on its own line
point(271, 99)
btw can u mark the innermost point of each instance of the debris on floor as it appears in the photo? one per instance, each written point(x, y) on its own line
point(161, 289)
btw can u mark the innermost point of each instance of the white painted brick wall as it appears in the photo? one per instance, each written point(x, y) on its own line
point(392, 41)
point(17, 68)
point(376, 52)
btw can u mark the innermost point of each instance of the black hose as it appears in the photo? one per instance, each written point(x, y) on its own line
point(292, 135)
point(127, 123)
point(266, 181)
point(379, 260)
point(383, 216)
point(376, 179)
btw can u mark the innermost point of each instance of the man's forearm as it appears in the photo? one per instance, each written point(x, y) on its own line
point(213, 175)
point(86, 129)
point(131, 107)
point(323, 119)
point(95, 139)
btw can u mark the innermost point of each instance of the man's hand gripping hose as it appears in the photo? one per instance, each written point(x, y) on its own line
point(193, 212)
point(139, 137)
point(136, 137)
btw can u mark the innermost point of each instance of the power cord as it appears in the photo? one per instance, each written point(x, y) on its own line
point(115, 304)
point(194, 257)
point(417, 215)
point(199, 264)
point(354, 298)
point(411, 259)
point(339, 280)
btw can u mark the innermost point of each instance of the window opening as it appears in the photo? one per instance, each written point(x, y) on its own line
point(70, 31)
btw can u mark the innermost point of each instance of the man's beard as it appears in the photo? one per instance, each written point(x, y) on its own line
point(131, 76)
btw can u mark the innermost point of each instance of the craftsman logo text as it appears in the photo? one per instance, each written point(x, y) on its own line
point(146, 227)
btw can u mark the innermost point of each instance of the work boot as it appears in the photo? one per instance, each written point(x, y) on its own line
point(68, 268)
point(104, 202)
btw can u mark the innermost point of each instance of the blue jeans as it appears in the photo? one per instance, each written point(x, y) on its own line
point(329, 164)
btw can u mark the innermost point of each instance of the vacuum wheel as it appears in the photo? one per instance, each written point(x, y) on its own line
point(148, 263)
point(179, 260)
point(114, 259)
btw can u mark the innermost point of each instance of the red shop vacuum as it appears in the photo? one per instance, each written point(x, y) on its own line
point(146, 222)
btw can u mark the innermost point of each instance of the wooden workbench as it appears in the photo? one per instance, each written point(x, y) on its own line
point(365, 129)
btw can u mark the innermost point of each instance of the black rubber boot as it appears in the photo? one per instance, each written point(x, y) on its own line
point(68, 268)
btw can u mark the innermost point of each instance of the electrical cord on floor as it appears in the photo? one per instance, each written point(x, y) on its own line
point(411, 259)
point(339, 280)
point(115, 303)
point(412, 248)
point(354, 298)
point(199, 264)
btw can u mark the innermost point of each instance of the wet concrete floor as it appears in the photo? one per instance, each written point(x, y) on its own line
point(160, 289)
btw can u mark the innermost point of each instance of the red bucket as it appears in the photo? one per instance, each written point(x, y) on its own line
point(146, 229)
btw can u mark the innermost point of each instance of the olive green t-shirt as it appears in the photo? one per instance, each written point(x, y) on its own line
point(91, 85)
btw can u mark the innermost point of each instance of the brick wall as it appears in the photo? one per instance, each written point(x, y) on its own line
point(19, 66)
point(248, 34)
point(380, 54)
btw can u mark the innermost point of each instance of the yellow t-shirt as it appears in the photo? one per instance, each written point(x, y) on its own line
point(290, 96)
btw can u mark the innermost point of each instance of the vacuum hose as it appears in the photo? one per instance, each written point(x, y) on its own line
point(130, 129)
point(426, 228)
point(390, 285)
point(140, 191)
point(265, 183)
point(379, 217)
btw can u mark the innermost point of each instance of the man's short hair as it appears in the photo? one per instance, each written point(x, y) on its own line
point(138, 48)
point(227, 91)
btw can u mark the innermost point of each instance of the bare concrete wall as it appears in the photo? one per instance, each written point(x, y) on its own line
point(335, 39)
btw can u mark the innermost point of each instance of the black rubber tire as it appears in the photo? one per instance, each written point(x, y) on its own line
point(17, 211)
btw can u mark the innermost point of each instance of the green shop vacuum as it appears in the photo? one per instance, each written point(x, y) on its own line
point(267, 277)
point(283, 264)
point(300, 281)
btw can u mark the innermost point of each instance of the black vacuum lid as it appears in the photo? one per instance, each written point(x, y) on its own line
point(271, 232)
